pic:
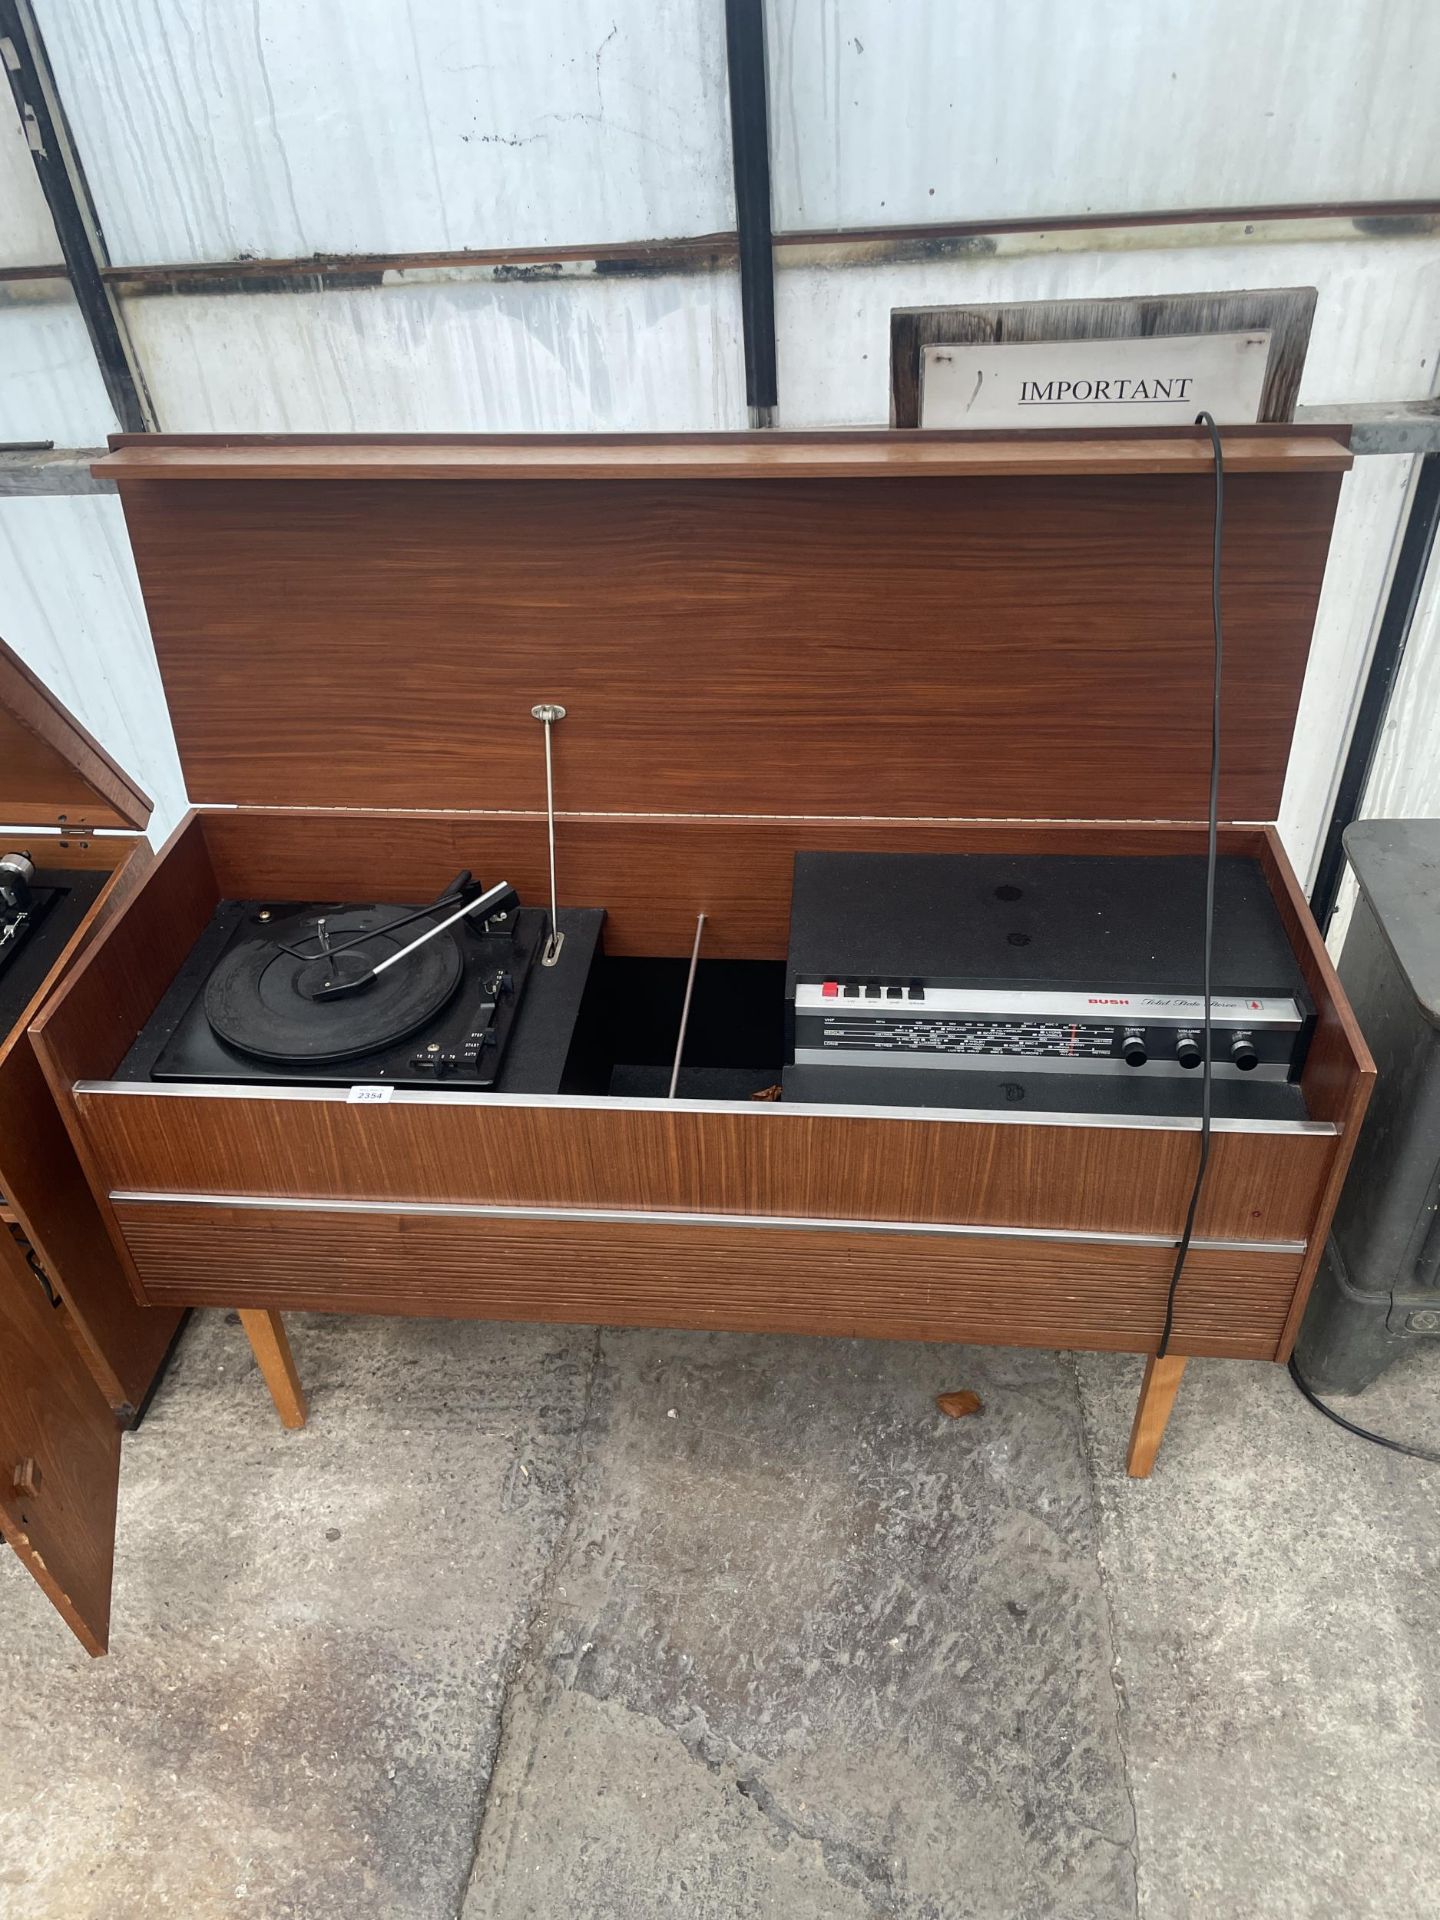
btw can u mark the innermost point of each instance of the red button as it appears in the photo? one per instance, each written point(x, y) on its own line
point(831, 989)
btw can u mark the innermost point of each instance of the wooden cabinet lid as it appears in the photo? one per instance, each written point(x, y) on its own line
point(52, 772)
point(893, 624)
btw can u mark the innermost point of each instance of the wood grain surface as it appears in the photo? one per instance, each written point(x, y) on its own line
point(1026, 647)
point(1339, 1075)
point(655, 874)
point(906, 1287)
point(1152, 1414)
point(745, 456)
point(1338, 1069)
point(51, 770)
point(41, 1178)
point(652, 875)
point(752, 1159)
point(87, 1028)
point(53, 1414)
point(89, 1023)
point(269, 1342)
point(98, 852)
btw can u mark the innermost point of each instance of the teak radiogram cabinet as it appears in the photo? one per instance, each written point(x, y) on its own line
point(764, 643)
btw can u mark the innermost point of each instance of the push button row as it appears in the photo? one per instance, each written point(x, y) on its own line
point(871, 990)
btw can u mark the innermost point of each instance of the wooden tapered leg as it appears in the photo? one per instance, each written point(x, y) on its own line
point(1157, 1397)
point(271, 1347)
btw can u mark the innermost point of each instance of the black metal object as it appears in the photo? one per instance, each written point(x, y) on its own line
point(1378, 1288)
point(905, 968)
point(131, 1417)
point(237, 1037)
point(1416, 545)
point(62, 180)
point(750, 157)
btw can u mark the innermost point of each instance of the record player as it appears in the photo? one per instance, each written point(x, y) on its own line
point(339, 994)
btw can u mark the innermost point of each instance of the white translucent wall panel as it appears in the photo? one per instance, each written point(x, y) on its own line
point(1405, 782)
point(211, 128)
point(27, 233)
point(1367, 530)
point(893, 112)
point(70, 607)
point(567, 355)
point(1374, 339)
point(1375, 335)
point(1405, 779)
point(50, 385)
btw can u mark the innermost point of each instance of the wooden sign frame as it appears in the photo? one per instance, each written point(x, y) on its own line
point(1286, 311)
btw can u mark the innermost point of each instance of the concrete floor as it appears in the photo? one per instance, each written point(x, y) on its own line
point(543, 1622)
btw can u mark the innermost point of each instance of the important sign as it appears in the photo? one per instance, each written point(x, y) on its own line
point(1095, 383)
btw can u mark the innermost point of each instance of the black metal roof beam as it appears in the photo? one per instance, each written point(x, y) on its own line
point(750, 158)
point(62, 180)
point(1417, 543)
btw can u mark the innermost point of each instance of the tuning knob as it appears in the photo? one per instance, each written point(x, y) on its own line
point(1242, 1052)
point(1187, 1050)
point(1133, 1049)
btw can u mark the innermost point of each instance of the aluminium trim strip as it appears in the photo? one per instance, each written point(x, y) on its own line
point(632, 816)
point(77, 831)
point(654, 1216)
point(762, 1110)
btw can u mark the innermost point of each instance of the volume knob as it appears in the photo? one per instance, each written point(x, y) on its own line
point(1187, 1050)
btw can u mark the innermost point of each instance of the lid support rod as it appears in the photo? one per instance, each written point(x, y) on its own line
point(548, 713)
point(685, 1009)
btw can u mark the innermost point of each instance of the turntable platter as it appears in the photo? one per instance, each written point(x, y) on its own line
point(260, 998)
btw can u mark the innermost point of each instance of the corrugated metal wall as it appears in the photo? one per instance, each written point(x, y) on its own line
point(214, 137)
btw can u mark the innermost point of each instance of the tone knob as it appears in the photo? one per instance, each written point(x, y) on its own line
point(1187, 1050)
point(1242, 1052)
point(1133, 1048)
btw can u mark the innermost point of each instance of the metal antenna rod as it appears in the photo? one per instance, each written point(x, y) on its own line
point(548, 713)
point(685, 1010)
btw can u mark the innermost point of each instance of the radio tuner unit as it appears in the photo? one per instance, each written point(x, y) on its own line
point(1085, 968)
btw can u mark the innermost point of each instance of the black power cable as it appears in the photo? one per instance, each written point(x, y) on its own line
point(1213, 822)
point(1207, 421)
point(1361, 1433)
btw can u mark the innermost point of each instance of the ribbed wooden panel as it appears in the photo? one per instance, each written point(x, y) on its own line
point(752, 1160)
point(770, 1280)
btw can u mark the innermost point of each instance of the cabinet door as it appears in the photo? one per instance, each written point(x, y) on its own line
point(59, 1455)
